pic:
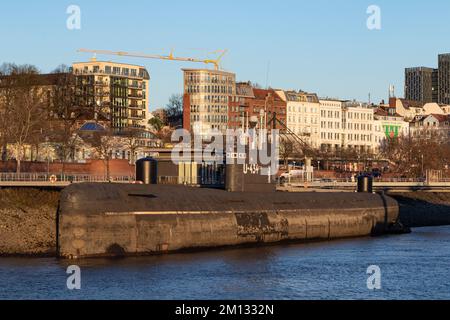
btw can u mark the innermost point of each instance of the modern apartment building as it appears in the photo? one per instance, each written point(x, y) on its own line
point(207, 94)
point(303, 115)
point(117, 92)
point(444, 78)
point(421, 84)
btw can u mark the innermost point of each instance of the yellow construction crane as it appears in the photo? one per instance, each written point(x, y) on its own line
point(215, 62)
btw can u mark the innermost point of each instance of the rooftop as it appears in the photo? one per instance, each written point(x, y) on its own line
point(208, 70)
point(108, 62)
point(92, 126)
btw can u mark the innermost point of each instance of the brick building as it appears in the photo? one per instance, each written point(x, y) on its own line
point(255, 107)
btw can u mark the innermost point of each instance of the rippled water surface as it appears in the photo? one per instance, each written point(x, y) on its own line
point(414, 266)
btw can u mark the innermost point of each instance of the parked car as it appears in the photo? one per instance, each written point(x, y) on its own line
point(284, 177)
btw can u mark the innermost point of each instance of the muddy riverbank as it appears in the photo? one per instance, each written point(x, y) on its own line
point(28, 222)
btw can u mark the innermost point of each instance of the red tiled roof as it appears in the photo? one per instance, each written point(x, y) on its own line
point(263, 93)
point(381, 112)
point(441, 117)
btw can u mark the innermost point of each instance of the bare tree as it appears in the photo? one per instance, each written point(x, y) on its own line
point(24, 108)
point(286, 151)
point(6, 101)
point(174, 110)
point(412, 156)
point(65, 113)
point(132, 141)
point(103, 142)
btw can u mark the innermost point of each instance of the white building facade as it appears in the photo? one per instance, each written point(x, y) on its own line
point(346, 125)
point(331, 129)
point(303, 115)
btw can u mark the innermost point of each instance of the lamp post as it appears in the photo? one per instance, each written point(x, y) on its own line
point(422, 167)
point(48, 156)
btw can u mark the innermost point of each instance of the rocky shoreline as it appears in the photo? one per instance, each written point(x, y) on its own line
point(28, 222)
point(28, 218)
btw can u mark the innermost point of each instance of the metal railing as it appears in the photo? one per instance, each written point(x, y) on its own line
point(348, 182)
point(375, 180)
point(78, 178)
point(66, 177)
point(192, 181)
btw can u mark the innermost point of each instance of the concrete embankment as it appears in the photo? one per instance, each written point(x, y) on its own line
point(28, 222)
point(110, 220)
point(423, 209)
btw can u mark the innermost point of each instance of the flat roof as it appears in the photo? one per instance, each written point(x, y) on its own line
point(112, 62)
point(208, 70)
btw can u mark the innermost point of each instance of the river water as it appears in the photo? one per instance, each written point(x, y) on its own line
point(414, 266)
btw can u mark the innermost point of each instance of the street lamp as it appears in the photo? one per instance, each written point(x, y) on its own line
point(422, 167)
point(48, 156)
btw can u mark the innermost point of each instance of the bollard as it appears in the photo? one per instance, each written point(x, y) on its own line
point(365, 184)
point(147, 171)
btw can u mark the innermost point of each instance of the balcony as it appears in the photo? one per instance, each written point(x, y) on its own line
point(136, 106)
point(101, 83)
point(88, 72)
point(137, 116)
point(135, 96)
point(135, 86)
point(102, 94)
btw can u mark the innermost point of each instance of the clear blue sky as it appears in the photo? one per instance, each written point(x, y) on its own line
point(320, 46)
